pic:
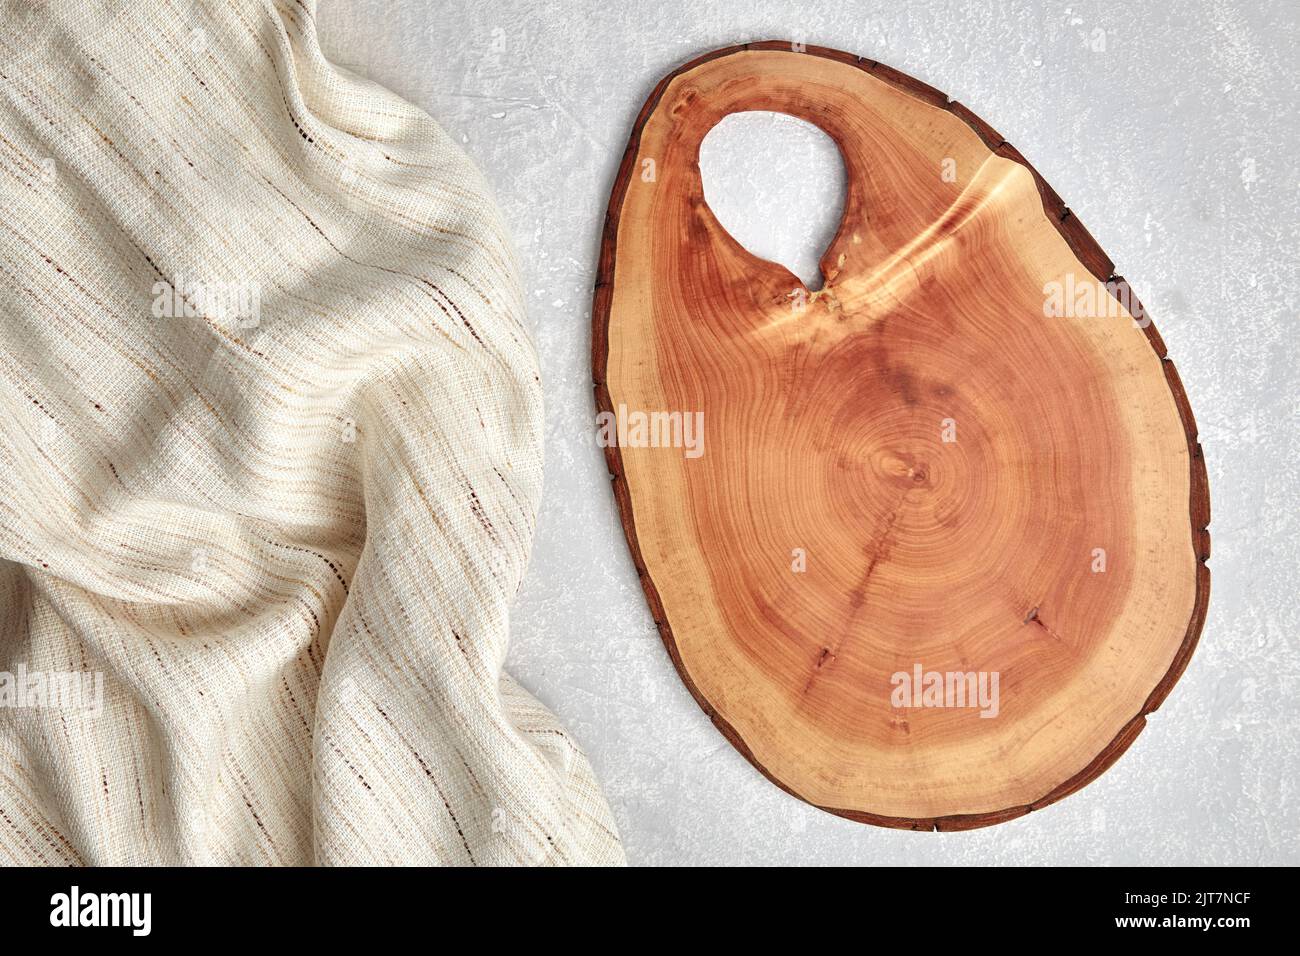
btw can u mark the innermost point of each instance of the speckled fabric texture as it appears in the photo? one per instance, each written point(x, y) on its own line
point(1169, 128)
point(270, 461)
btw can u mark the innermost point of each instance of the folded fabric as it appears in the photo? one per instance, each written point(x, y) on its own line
point(270, 461)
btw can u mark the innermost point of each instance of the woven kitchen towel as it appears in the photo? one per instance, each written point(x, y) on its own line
point(270, 460)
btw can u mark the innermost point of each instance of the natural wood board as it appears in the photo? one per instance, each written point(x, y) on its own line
point(948, 459)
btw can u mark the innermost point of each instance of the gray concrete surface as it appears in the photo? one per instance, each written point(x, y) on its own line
point(1172, 133)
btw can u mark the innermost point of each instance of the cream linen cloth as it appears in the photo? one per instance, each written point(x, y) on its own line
point(270, 460)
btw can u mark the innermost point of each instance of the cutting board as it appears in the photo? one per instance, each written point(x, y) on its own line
point(928, 543)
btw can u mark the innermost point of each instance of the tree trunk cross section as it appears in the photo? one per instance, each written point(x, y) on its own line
point(928, 544)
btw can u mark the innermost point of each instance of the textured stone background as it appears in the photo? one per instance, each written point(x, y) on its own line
point(1177, 145)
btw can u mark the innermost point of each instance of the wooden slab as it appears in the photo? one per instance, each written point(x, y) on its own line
point(919, 466)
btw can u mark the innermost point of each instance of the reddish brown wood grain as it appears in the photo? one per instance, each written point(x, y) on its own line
point(771, 76)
